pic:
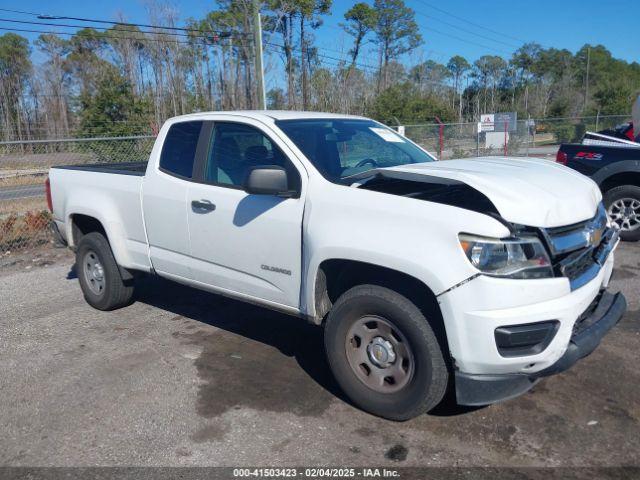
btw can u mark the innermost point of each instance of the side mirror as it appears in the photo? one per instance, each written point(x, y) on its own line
point(268, 180)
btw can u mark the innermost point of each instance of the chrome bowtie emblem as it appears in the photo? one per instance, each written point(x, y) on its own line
point(593, 236)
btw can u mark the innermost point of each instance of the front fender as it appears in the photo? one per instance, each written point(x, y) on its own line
point(414, 237)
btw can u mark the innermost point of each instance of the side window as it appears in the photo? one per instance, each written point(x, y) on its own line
point(235, 148)
point(179, 149)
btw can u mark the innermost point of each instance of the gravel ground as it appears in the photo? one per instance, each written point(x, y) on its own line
point(183, 377)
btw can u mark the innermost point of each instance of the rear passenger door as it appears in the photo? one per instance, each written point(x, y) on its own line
point(164, 199)
point(246, 243)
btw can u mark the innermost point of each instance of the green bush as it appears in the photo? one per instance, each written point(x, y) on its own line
point(568, 132)
point(579, 131)
point(563, 132)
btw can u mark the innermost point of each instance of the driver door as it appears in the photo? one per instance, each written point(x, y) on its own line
point(247, 244)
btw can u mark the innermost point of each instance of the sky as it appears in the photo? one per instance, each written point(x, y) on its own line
point(470, 28)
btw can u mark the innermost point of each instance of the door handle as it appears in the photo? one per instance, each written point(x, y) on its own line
point(202, 206)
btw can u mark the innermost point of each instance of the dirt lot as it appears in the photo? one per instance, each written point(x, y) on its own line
point(187, 378)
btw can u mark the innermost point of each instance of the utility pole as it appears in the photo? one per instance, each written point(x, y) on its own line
point(586, 87)
point(257, 41)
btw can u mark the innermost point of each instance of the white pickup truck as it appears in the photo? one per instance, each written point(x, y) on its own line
point(483, 274)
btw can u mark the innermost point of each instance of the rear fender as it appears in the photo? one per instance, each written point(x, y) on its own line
point(626, 166)
point(108, 216)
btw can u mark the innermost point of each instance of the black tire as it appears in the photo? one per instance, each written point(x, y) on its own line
point(114, 292)
point(617, 194)
point(427, 384)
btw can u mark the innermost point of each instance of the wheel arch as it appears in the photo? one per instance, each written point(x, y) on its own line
point(620, 179)
point(81, 224)
point(626, 172)
point(335, 276)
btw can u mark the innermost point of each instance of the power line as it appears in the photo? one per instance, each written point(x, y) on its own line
point(477, 25)
point(142, 39)
point(362, 65)
point(466, 30)
point(471, 42)
point(18, 11)
point(138, 39)
point(105, 30)
point(43, 16)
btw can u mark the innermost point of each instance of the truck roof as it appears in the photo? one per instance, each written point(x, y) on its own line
point(270, 115)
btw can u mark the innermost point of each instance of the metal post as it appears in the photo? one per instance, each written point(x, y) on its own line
point(440, 137)
point(528, 127)
point(586, 83)
point(257, 40)
point(506, 129)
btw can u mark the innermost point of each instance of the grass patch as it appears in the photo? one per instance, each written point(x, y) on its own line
point(22, 205)
point(18, 180)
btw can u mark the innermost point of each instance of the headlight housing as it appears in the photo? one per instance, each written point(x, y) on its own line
point(510, 258)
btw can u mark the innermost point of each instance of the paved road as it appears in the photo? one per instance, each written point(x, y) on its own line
point(187, 378)
point(22, 191)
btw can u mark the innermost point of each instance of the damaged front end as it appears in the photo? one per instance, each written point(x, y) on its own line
point(452, 192)
point(577, 251)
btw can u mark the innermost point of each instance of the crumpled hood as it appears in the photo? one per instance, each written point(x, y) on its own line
point(532, 192)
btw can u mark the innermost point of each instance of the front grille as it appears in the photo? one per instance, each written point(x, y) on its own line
point(576, 264)
point(559, 231)
point(574, 248)
point(562, 240)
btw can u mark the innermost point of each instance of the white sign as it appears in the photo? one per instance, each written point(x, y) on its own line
point(401, 130)
point(386, 135)
point(487, 122)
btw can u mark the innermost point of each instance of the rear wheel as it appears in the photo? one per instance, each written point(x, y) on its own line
point(100, 279)
point(623, 209)
point(384, 354)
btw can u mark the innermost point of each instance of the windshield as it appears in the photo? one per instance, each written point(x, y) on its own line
point(342, 148)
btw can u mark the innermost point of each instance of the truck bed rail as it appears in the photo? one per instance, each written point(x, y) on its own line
point(128, 168)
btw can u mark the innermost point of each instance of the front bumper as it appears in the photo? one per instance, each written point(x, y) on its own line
point(604, 313)
point(485, 319)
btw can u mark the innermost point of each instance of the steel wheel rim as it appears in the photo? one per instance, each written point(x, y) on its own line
point(625, 212)
point(379, 354)
point(93, 272)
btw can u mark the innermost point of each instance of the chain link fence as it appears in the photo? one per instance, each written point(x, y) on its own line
point(530, 138)
point(24, 216)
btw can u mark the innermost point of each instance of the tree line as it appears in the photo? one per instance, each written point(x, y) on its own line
point(127, 79)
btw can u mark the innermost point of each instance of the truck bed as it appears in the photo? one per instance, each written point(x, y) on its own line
point(125, 168)
point(114, 200)
point(589, 159)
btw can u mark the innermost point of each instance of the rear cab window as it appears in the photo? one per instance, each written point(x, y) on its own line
point(179, 149)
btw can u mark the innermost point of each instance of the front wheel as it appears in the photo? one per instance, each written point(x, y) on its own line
point(100, 279)
point(384, 354)
point(623, 209)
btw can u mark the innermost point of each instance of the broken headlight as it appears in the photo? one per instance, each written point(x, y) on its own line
point(511, 257)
